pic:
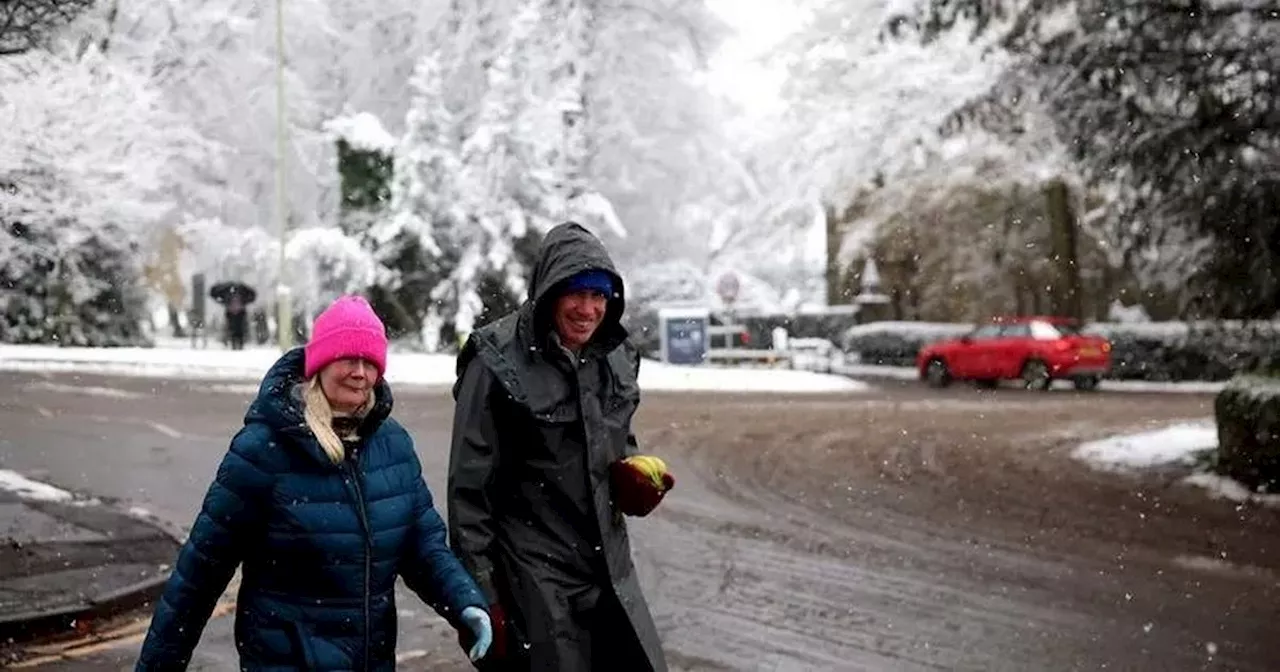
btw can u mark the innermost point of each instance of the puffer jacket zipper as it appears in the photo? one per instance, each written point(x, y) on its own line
point(354, 471)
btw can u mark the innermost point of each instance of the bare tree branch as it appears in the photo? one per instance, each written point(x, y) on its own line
point(26, 24)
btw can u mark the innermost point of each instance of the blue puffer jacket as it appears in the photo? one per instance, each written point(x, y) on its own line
point(320, 545)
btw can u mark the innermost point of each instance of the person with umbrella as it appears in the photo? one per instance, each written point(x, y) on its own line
point(236, 296)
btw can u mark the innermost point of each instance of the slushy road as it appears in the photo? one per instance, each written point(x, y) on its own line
point(903, 529)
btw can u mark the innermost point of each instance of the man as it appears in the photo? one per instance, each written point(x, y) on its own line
point(237, 322)
point(542, 431)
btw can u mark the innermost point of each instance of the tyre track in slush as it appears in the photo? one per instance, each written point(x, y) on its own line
point(767, 599)
point(868, 572)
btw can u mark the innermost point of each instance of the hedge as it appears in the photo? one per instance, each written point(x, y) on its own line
point(897, 343)
point(1159, 351)
point(1248, 416)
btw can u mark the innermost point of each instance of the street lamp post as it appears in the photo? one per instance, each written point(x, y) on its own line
point(284, 312)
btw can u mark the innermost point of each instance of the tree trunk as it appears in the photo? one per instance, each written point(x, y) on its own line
point(1066, 295)
point(833, 274)
point(175, 322)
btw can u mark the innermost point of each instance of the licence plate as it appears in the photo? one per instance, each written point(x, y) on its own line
point(1090, 352)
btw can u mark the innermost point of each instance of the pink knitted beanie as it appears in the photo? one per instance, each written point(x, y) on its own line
point(348, 328)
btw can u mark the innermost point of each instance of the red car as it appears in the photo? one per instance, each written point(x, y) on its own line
point(1035, 350)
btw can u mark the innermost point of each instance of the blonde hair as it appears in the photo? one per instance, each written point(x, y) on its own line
point(318, 413)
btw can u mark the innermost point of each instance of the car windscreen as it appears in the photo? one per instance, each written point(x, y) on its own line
point(1048, 331)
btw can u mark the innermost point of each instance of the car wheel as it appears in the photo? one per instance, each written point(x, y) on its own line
point(937, 374)
point(1086, 383)
point(1035, 375)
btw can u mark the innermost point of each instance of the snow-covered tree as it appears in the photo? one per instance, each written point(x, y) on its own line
point(569, 34)
point(571, 58)
point(374, 51)
point(1170, 111)
point(657, 133)
point(483, 170)
point(86, 163)
point(413, 238)
point(366, 155)
point(322, 261)
point(28, 24)
point(328, 264)
point(214, 64)
point(858, 109)
point(860, 106)
point(883, 125)
point(499, 179)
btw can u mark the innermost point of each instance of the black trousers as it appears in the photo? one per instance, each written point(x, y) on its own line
point(604, 637)
point(609, 637)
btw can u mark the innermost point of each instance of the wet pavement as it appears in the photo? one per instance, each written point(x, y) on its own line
point(66, 562)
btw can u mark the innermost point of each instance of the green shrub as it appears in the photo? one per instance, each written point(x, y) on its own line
point(1248, 416)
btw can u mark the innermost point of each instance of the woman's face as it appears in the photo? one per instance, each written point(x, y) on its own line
point(347, 383)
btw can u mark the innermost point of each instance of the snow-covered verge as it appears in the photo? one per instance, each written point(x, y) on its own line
point(36, 491)
point(12, 481)
point(1185, 444)
point(402, 367)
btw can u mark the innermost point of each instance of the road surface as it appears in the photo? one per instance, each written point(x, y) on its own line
point(903, 529)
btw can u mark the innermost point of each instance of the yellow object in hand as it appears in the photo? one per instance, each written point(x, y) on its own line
point(654, 468)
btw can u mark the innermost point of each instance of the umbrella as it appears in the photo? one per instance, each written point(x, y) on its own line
point(224, 291)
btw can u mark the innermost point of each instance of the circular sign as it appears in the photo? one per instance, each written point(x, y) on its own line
point(727, 287)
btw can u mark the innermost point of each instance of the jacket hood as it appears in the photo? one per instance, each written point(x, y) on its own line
point(566, 250)
point(279, 403)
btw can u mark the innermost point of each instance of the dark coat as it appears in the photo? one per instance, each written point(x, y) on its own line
point(320, 544)
point(530, 510)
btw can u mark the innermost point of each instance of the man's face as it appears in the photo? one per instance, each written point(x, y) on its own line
point(578, 315)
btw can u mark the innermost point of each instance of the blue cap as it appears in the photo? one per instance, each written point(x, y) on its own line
point(593, 280)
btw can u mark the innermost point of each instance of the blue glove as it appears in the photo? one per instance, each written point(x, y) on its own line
point(478, 620)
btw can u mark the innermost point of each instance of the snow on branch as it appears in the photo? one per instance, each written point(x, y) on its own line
point(362, 131)
point(594, 211)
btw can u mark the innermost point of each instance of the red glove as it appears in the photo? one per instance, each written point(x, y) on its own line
point(639, 483)
point(498, 618)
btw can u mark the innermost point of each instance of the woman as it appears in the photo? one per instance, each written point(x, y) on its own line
point(321, 500)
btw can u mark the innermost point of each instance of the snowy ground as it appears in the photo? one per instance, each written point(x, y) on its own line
point(1185, 444)
point(12, 481)
point(214, 363)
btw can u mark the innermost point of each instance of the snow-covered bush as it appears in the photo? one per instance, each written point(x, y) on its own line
point(897, 343)
point(1248, 416)
point(1171, 351)
point(74, 288)
point(827, 325)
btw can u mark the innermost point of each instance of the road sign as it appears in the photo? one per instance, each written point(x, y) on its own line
point(727, 286)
